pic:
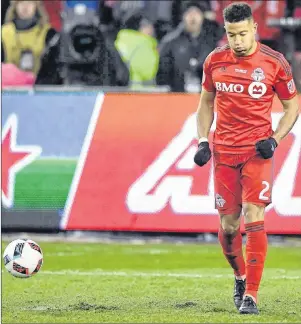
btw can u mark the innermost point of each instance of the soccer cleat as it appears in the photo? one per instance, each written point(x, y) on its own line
point(239, 290)
point(248, 306)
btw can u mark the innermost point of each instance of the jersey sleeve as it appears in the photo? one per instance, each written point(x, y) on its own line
point(207, 82)
point(284, 82)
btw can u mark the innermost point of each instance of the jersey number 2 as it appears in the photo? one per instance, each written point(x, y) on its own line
point(264, 190)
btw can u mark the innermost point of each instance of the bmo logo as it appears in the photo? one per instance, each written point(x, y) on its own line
point(255, 89)
point(231, 87)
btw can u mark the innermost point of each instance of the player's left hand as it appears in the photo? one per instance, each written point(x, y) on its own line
point(266, 148)
point(203, 154)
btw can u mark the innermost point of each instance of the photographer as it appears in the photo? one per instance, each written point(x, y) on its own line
point(25, 34)
point(82, 54)
point(183, 51)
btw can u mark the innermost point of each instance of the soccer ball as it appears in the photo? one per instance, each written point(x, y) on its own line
point(23, 258)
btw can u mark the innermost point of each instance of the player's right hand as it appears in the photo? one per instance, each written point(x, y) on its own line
point(203, 154)
point(266, 148)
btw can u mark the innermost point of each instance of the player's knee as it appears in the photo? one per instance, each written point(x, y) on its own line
point(230, 223)
point(230, 228)
point(253, 213)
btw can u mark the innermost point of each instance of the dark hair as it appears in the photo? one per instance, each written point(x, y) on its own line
point(136, 20)
point(237, 12)
point(188, 4)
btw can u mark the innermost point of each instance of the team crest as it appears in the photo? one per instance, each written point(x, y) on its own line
point(219, 200)
point(257, 88)
point(258, 75)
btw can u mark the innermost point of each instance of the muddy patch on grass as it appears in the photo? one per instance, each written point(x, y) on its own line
point(83, 306)
point(186, 305)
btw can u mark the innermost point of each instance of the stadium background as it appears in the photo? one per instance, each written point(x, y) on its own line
point(95, 172)
point(89, 171)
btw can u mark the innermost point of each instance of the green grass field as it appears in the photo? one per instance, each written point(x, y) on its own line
point(150, 283)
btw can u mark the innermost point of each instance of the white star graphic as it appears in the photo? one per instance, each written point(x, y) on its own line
point(14, 158)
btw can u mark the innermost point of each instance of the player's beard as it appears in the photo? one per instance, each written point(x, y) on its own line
point(243, 51)
point(240, 53)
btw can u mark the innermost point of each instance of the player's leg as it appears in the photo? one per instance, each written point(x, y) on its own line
point(228, 203)
point(256, 194)
point(256, 249)
point(230, 238)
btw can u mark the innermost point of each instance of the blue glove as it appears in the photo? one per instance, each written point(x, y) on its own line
point(266, 148)
point(203, 154)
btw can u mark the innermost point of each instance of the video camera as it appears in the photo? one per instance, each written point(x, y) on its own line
point(79, 36)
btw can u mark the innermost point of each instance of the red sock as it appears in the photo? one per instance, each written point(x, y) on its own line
point(232, 248)
point(256, 250)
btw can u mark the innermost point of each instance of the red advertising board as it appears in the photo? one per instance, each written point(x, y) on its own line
point(136, 170)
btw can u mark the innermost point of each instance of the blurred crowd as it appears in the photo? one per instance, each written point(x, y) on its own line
point(137, 44)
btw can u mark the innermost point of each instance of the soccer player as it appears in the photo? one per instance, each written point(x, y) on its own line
point(241, 79)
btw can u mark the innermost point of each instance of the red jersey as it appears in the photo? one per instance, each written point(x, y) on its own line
point(245, 88)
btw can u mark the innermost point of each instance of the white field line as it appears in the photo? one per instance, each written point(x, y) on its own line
point(125, 251)
point(63, 254)
point(152, 274)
